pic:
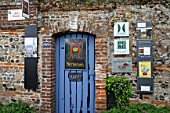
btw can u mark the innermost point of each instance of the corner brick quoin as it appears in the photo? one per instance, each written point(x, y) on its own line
point(94, 21)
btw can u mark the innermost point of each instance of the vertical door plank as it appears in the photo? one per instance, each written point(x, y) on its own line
point(85, 84)
point(91, 73)
point(79, 87)
point(85, 91)
point(79, 94)
point(67, 93)
point(73, 88)
point(73, 95)
point(67, 87)
point(61, 76)
point(57, 73)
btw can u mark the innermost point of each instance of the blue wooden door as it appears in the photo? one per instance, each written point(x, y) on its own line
point(75, 94)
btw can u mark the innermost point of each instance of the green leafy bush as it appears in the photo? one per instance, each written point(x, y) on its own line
point(140, 108)
point(17, 107)
point(120, 88)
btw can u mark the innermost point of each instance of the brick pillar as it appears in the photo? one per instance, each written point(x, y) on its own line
point(100, 70)
point(48, 76)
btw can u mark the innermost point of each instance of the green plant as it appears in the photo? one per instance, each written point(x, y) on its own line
point(17, 107)
point(120, 88)
point(139, 108)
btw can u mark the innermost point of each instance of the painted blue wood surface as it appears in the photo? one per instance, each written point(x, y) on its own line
point(73, 96)
point(91, 73)
point(67, 93)
point(67, 88)
point(79, 86)
point(85, 86)
point(57, 74)
point(73, 88)
point(79, 94)
point(61, 76)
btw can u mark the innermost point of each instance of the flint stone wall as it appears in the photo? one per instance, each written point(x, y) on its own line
point(93, 20)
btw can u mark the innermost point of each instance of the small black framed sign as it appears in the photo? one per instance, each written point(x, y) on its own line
point(145, 85)
point(75, 77)
point(75, 53)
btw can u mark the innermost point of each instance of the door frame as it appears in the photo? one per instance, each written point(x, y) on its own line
point(91, 74)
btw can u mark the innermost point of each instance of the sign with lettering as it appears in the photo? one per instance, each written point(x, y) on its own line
point(75, 77)
point(145, 69)
point(121, 65)
point(15, 14)
point(121, 29)
point(75, 53)
point(121, 46)
point(25, 8)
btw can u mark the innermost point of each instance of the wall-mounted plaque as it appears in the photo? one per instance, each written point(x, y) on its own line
point(121, 65)
point(46, 44)
point(121, 46)
point(144, 69)
point(75, 53)
point(145, 85)
point(30, 47)
point(121, 29)
point(144, 49)
point(73, 16)
point(25, 8)
point(144, 30)
point(15, 14)
point(75, 77)
point(141, 24)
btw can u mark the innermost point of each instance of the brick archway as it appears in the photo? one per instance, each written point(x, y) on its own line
point(48, 77)
point(48, 34)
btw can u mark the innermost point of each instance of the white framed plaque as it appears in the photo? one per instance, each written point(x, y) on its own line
point(121, 46)
point(121, 29)
point(15, 14)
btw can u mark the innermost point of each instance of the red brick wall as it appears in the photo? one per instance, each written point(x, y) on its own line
point(48, 75)
point(91, 26)
point(12, 56)
point(91, 20)
point(97, 21)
